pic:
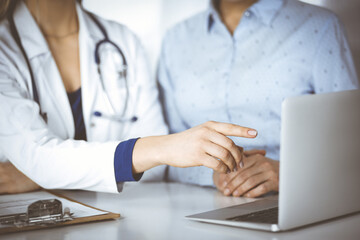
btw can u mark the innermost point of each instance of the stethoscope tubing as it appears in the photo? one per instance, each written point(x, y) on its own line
point(115, 117)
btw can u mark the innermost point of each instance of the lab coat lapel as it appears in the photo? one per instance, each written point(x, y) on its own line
point(88, 36)
point(29, 32)
point(46, 73)
point(56, 91)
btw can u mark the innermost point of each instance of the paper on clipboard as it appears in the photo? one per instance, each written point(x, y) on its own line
point(18, 203)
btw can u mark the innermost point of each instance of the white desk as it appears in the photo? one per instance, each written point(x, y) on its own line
point(157, 210)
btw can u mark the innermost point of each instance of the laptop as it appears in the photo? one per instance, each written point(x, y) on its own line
point(319, 169)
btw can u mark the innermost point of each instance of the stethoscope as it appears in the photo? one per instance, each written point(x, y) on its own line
point(122, 74)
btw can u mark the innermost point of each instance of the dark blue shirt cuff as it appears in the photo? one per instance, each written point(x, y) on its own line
point(123, 162)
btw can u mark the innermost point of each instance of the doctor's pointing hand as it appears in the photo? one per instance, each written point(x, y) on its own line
point(79, 109)
point(204, 145)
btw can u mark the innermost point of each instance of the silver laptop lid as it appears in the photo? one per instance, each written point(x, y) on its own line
point(320, 158)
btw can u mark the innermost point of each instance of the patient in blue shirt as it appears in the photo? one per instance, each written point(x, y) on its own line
point(236, 62)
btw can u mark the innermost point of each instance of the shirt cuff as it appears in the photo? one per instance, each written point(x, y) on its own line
point(123, 162)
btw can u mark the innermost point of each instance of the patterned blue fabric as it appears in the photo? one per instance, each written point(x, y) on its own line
point(281, 48)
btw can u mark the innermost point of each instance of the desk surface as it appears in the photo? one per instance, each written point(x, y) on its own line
point(157, 210)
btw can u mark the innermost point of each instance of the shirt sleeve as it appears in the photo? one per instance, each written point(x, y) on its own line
point(148, 109)
point(47, 159)
point(123, 162)
point(333, 67)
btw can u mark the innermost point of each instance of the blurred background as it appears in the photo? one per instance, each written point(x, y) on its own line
point(150, 19)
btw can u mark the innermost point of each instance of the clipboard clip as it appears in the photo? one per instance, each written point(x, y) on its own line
point(41, 212)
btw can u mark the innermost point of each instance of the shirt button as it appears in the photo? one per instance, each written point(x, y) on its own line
point(92, 125)
point(247, 14)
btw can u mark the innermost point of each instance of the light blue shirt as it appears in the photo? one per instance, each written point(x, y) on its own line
point(281, 48)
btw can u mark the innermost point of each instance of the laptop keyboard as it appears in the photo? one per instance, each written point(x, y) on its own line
point(265, 216)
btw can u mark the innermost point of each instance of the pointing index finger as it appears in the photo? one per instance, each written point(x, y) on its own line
point(229, 129)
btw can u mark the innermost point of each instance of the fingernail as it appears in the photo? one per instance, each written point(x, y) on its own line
point(224, 184)
point(235, 169)
point(236, 193)
point(227, 192)
point(252, 132)
point(241, 164)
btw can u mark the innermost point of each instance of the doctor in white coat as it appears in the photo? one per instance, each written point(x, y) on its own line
point(64, 124)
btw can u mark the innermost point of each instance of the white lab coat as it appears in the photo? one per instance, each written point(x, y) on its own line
point(46, 152)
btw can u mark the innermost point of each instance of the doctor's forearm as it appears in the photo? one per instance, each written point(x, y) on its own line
point(203, 145)
point(147, 153)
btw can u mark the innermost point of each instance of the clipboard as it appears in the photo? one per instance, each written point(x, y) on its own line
point(85, 213)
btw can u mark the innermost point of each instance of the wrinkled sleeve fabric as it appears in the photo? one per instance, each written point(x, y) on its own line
point(48, 160)
point(149, 112)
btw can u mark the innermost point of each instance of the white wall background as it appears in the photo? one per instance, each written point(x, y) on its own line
point(149, 19)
